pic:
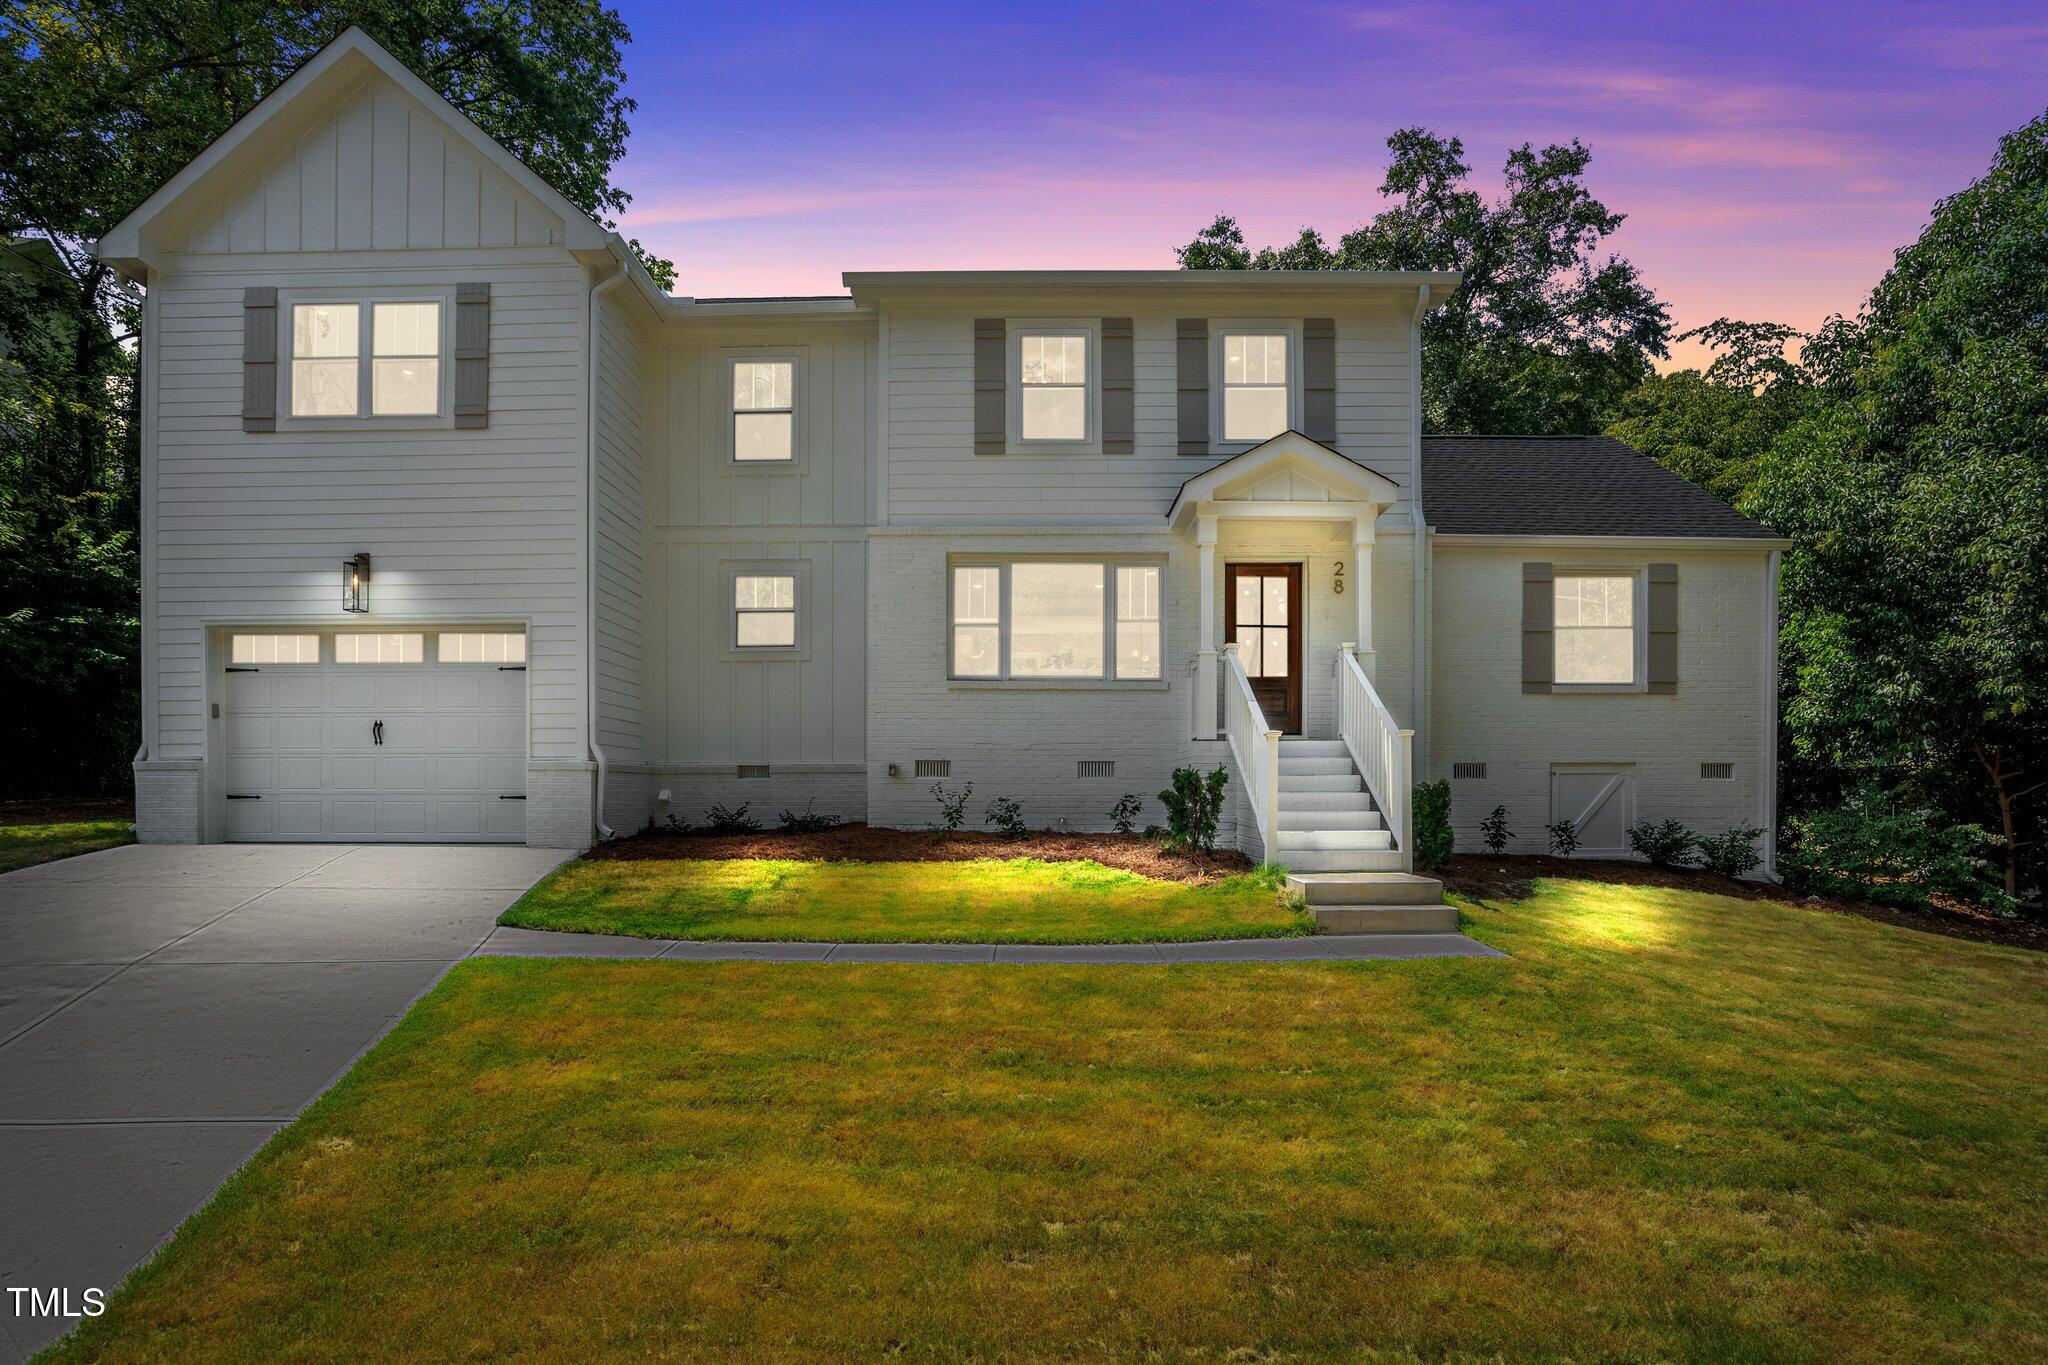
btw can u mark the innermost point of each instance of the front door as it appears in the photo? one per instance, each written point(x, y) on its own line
point(1262, 612)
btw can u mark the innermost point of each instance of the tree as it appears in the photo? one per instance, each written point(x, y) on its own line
point(1541, 336)
point(100, 102)
point(1916, 494)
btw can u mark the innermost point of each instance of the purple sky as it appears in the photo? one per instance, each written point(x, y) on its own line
point(1769, 157)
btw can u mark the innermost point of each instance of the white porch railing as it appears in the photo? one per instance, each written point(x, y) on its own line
point(1383, 751)
point(1256, 746)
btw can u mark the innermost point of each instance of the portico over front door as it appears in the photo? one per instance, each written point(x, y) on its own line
point(1262, 613)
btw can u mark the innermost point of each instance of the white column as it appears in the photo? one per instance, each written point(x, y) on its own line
point(1205, 719)
point(1361, 585)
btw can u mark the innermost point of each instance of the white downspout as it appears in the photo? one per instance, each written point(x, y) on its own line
point(1419, 636)
point(597, 293)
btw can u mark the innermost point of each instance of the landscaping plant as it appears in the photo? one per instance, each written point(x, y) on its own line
point(731, 820)
point(1494, 830)
point(1432, 814)
point(1666, 843)
point(952, 806)
point(1731, 853)
point(809, 822)
point(1564, 838)
point(1876, 847)
point(1194, 805)
point(1124, 814)
point(1005, 816)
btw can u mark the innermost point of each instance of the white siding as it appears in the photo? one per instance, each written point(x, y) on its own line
point(620, 557)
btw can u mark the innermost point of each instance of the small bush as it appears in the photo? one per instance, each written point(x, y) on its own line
point(1005, 816)
point(1666, 843)
point(727, 820)
point(1732, 853)
point(1432, 818)
point(1194, 805)
point(1875, 847)
point(952, 806)
point(1564, 838)
point(809, 822)
point(1494, 830)
point(1124, 814)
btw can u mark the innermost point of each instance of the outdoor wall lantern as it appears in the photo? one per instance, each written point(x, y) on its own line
point(355, 583)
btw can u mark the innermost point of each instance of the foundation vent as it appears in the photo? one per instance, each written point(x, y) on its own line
point(935, 767)
point(1469, 771)
point(1095, 767)
point(753, 770)
point(1720, 772)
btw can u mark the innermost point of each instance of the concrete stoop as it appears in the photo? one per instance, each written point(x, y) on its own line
point(1375, 902)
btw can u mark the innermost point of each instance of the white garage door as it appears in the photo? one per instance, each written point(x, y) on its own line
point(1599, 800)
point(379, 737)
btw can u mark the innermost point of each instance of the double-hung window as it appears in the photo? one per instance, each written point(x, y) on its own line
point(763, 411)
point(1030, 620)
point(399, 377)
point(764, 611)
point(1598, 635)
point(1257, 385)
point(1053, 401)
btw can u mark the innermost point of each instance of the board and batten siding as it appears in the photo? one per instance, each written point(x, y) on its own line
point(934, 476)
point(461, 526)
point(620, 528)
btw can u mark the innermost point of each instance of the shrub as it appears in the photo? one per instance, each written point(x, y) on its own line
point(1666, 843)
point(1564, 838)
point(1732, 853)
point(1877, 848)
point(808, 822)
point(1432, 817)
point(1005, 816)
point(1124, 814)
point(1494, 830)
point(727, 820)
point(952, 805)
point(1194, 804)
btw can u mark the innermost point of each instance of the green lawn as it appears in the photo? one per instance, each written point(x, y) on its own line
point(1671, 1126)
point(1010, 901)
point(25, 845)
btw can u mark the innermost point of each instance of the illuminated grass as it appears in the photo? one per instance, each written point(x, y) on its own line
point(1671, 1126)
point(1010, 901)
point(27, 845)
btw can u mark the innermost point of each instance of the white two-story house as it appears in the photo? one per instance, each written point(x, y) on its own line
point(455, 527)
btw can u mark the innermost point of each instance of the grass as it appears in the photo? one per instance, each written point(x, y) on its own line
point(25, 845)
point(1018, 900)
point(1672, 1126)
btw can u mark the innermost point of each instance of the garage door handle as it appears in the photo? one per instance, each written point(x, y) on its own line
point(240, 796)
point(512, 798)
point(376, 732)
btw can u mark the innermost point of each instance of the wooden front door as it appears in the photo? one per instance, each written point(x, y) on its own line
point(1262, 612)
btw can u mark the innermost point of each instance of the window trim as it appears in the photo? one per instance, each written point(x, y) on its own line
point(1090, 329)
point(1004, 679)
point(363, 300)
point(1219, 332)
point(747, 356)
point(730, 647)
point(1639, 624)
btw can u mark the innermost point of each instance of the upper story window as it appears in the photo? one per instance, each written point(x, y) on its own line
point(763, 411)
point(1056, 619)
point(1257, 385)
point(1054, 390)
point(764, 611)
point(329, 377)
point(1597, 630)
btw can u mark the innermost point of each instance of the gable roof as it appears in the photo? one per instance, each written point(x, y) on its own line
point(1328, 476)
point(1566, 486)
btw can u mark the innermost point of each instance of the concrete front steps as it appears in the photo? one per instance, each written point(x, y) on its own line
point(1375, 902)
point(1327, 819)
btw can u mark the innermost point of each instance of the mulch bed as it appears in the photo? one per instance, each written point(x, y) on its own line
point(1512, 878)
point(65, 810)
point(865, 843)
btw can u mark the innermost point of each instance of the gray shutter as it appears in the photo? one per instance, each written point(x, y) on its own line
point(1119, 416)
point(472, 355)
point(1319, 379)
point(991, 395)
point(1663, 620)
point(1191, 353)
point(259, 358)
point(1539, 619)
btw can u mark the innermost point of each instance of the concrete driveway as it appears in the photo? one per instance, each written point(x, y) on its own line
point(164, 1010)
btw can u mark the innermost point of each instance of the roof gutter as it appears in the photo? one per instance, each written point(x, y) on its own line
point(594, 333)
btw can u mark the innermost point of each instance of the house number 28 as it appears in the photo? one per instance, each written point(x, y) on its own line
point(1339, 589)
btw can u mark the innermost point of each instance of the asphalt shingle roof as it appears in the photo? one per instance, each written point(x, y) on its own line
point(1565, 486)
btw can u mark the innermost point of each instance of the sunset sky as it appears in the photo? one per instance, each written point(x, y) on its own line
point(1769, 157)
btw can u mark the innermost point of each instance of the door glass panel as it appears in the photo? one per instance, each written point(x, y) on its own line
point(1248, 600)
point(1248, 650)
point(1276, 602)
point(1275, 652)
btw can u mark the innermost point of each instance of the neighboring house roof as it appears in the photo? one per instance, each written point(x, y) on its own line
point(1566, 486)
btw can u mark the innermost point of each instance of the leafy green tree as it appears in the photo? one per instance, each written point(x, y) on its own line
point(1917, 494)
point(100, 102)
point(1543, 334)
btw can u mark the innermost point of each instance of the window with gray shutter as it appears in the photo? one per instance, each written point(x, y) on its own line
point(991, 398)
point(1319, 379)
point(1663, 625)
point(1539, 615)
point(1191, 352)
point(472, 355)
point(259, 358)
point(1119, 416)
